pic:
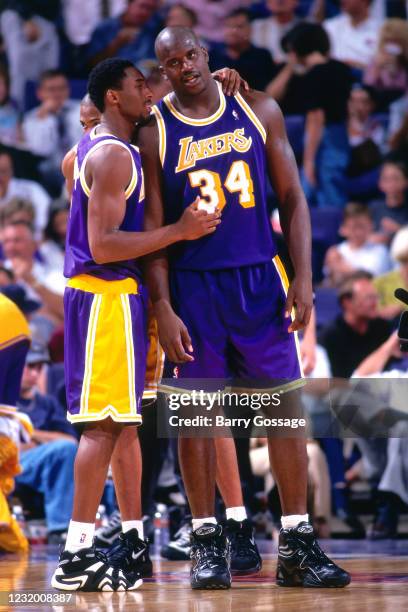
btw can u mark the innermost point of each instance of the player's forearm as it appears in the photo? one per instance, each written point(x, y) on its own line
point(295, 222)
point(120, 246)
point(313, 134)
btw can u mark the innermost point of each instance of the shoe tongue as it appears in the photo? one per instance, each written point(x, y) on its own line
point(207, 531)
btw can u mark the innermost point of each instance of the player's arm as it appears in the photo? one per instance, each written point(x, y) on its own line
point(293, 209)
point(173, 334)
point(108, 173)
point(67, 169)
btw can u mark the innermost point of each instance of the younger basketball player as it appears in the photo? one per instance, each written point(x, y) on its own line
point(226, 294)
point(105, 319)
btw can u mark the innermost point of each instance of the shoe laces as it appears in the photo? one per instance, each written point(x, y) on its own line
point(182, 535)
point(313, 550)
point(208, 554)
point(120, 551)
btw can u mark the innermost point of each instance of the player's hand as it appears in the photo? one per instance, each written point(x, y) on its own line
point(195, 223)
point(173, 335)
point(230, 80)
point(299, 298)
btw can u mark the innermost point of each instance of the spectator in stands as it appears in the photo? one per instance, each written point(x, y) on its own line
point(354, 33)
point(385, 460)
point(366, 133)
point(287, 87)
point(52, 128)
point(255, 65)
point(6, 276)
point(327, 85)
point(131, 35)
point(211, 15)
point(268, 32)
point(386, 284)
point(48, 459)
point(10, 128)
point(399, 143)
point(398, 113)
point(358, 330)
point(388, 70)
point(52, 250)
point(32, 47)
point(357, 252)
point(181, 15)
point(22, 189)
point(81, 18)
point(391, 212)
point(43, 285)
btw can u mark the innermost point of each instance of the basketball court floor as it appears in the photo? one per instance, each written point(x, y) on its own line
point(379, 583)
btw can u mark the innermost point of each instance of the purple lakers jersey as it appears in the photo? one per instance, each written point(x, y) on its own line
point(78, 258)
point(222, 160)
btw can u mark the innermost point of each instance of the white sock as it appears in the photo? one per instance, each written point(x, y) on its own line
point(197, 522)
point(128, 525)
point(80, 535)
point(293, 520)
point(237, 513)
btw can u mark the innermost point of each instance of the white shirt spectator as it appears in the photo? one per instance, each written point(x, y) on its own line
point(81, 18)
point(42, 135)
point(35, 194)
point(268, 33)
point(28, 58)
point(371, 257)
point(349, 43)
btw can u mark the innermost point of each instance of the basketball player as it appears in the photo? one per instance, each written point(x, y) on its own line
point(105, 320)
point(245, 557)
point(228, 299)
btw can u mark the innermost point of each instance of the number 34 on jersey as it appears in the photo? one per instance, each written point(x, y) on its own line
point(212, 191)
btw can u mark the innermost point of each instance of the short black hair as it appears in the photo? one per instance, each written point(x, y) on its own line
point(108, 74)
point(239, 11)
point(307, 38)
point(51, 74)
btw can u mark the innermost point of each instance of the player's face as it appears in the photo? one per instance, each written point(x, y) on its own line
point(186, 67)
point(89, 116)
point(135, 97)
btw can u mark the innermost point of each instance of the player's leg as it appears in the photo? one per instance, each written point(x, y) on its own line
point(197, 456)
point(269, 355)
point(245, 558)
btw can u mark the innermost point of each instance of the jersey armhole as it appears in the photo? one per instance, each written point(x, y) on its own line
point(162, 133)
point(133, 181)
point(252, 116)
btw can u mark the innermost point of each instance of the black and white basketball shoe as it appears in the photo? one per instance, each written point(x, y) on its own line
point(89, 570)
point(301, 561)
point(131, 554)
point(210, 555)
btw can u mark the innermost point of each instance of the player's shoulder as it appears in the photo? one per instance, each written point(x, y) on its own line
point(265, 107)
point(68, 161)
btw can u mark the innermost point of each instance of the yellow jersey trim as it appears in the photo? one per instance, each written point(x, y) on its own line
point(133, 181)
point(248, 110)
point(207, 120)
point(93, 284)
point(162, 133)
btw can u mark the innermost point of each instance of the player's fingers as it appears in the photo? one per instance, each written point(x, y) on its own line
point(244, 84)
point(194, 205)
point(186, 340)
point(289, 303)
point(233, 83)
point(181, 355)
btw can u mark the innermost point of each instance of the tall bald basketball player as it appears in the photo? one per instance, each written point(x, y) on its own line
point(105, 319)
point(224, 309)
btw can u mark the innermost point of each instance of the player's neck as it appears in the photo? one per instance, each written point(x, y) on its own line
point(199, 106)
point(116, 125)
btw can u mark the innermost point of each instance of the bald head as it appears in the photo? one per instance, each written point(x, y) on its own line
point(89, 115)
point(173, 38)
point(86, 100)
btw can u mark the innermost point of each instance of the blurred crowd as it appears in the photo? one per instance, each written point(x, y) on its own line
point(339, 71)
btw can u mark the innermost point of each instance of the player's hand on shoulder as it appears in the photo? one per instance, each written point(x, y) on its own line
point(195, 222)
point(173, 335)
point(230, 80)
point(299, 298)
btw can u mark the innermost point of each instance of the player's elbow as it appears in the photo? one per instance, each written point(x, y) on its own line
point(98, 252)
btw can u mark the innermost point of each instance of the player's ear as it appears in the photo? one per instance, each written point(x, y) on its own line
point(164, 75)
point(205, 53)
point(112, 96)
